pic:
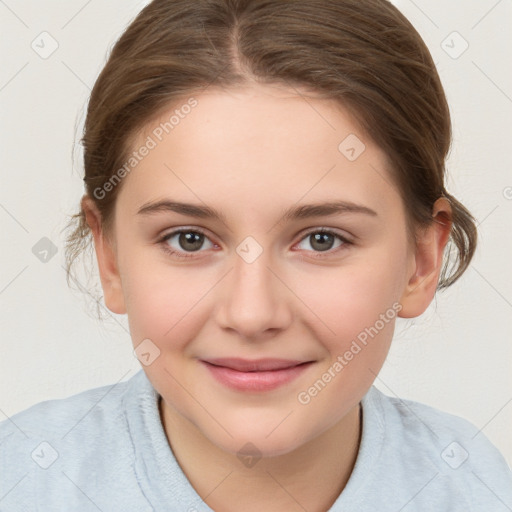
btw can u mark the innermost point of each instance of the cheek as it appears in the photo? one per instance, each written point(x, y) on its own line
point(360, 303)
point(164, 303)
point(348, 299)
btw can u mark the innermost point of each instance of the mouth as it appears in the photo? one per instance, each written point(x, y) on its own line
point(255, 375)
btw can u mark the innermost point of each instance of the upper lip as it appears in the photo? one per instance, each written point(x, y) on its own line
point(254, 365)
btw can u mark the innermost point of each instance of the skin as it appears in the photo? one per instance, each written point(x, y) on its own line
point(251, 153)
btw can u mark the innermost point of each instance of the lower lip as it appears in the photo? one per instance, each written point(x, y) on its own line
point(255, 381)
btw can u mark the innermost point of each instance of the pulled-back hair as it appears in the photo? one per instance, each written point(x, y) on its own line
point(362, 53)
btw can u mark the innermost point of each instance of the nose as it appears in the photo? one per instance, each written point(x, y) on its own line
point(255, 302)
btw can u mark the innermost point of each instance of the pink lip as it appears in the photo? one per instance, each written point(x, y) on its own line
point(257, 374)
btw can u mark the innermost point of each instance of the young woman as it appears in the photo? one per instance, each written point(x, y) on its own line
point(265, 192)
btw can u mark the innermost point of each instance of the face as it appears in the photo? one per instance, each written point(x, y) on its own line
point(269, 323)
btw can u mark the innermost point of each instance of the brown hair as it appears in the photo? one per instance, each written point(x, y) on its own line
point(363, 53)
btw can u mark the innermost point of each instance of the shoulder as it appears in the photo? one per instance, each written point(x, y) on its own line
point(437, 430)
point(454, 453)
point(46, 447)
point(57, 417)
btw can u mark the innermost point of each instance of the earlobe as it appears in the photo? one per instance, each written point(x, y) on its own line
point(105, 255)
point(428, 259)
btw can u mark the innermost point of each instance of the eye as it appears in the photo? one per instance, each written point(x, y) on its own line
point(186, 241)
point(323, 240)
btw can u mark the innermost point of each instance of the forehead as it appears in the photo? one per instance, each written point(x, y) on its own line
point(254, 147)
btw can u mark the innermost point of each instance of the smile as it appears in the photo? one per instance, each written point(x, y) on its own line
point(255, 375)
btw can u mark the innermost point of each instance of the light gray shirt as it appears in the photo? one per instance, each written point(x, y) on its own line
point(105, 449)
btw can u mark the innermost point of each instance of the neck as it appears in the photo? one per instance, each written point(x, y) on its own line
point(311, 477)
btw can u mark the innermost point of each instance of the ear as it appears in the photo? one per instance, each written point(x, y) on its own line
point(428, 261)
point(105, 254)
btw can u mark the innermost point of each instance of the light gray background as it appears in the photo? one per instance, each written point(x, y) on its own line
point(456, 357)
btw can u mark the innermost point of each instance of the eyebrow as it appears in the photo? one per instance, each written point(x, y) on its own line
point(294, 213)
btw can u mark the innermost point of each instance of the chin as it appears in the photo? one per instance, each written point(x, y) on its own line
point(262, 448)
point(259, 443)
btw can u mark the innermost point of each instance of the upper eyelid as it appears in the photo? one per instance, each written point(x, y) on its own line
point(335, 231)
point(176, 231)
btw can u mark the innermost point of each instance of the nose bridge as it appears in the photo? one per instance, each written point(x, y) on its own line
point(252, 277)
point(253, 302)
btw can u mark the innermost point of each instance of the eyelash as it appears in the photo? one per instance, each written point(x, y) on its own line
point(319, 254)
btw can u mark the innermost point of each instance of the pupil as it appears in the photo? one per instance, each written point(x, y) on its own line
point(191, 238)
point(319, 238)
